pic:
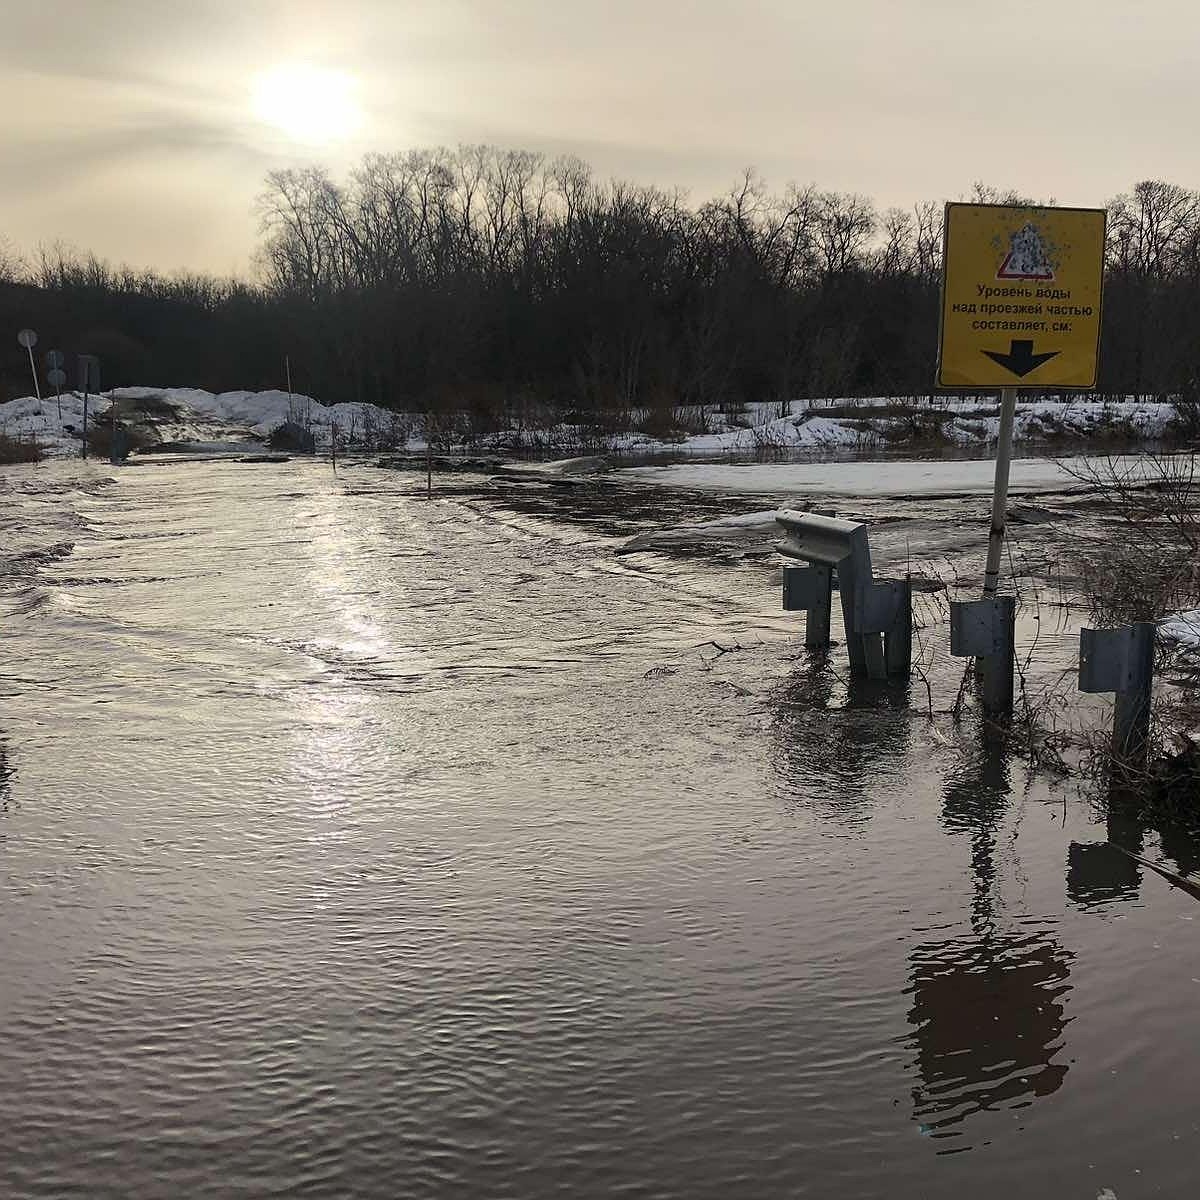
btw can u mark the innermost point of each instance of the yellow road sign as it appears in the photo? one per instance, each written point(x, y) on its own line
point(1021, 292)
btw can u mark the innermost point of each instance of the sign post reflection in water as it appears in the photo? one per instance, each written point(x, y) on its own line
point(1021, 297)
point(989, 1004)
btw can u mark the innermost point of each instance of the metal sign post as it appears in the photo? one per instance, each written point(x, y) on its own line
point(1008, 411)
point(56, 377)
point(89, 381)
point(1021, 294)
point(28, 339)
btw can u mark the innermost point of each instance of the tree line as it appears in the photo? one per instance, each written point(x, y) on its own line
point(484, 279)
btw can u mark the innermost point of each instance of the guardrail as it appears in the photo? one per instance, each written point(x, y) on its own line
point(876, 613)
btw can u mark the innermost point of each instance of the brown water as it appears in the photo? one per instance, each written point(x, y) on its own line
point(352, 845)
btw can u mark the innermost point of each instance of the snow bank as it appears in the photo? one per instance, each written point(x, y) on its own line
point(196, 417)
point(30, 419)
point(803, 432)
point(804, 425)
point(1044, 419)
point(858, 424)
point(260, 412)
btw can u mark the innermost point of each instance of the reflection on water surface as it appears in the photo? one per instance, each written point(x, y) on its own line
point(355, 845)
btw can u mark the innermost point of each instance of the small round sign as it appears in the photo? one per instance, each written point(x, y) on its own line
point(56, 378)
point(27, 338)
point(54, 359)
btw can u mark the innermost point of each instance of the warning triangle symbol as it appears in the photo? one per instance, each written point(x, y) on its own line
point(1026, 258)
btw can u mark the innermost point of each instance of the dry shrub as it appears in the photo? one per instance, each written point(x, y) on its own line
point(293, 438)
point(129, 438)
point(1145, 564)
point(19, 450)
point(669, 423)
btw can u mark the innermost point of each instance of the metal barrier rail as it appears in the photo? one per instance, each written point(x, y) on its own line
point(877, 613)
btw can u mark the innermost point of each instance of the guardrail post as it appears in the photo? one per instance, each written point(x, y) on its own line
point(1000, 667)
point(863, 641)
point(1131, 711)
point(810, 589)
point(874, 655)
point(865, 650)
point(986, 630)
point(1122, 661)
point(897, 641)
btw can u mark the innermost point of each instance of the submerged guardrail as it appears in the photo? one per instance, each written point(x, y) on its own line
point(877, 613)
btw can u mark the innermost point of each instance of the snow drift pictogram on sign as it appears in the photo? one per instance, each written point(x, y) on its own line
point(1026, 259)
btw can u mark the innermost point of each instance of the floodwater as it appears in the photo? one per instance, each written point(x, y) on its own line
point(357, 845)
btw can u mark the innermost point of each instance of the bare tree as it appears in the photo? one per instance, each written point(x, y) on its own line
point(1151, 230)
point(13, 268)
point(845, 224)
point(484, 277)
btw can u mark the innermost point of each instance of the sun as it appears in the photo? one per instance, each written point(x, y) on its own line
point(309, 104)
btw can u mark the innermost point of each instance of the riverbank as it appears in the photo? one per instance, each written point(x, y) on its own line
point(174, 418)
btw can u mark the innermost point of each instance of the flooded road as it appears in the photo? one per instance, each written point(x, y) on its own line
point(356, 845)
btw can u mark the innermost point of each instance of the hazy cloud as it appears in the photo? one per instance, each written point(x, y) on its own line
point(902, 99)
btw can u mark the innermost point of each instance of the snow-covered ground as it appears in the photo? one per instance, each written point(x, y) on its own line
point(926, 477)
point(807, 425)
point(859, 425)
point(1182, 628)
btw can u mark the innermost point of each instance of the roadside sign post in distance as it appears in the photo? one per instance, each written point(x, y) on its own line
point(56, 377)
point(27, 339)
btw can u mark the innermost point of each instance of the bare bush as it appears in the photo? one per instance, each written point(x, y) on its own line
point(1143, 565)
point(19, 450)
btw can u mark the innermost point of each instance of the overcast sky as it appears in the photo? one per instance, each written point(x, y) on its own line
point(141, 128)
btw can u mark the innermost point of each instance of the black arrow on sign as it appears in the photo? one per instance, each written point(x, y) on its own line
point(1020, 359)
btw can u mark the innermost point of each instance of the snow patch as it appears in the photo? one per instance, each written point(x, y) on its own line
point(743, 527)
point(920, 478)
point(1182, 629)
